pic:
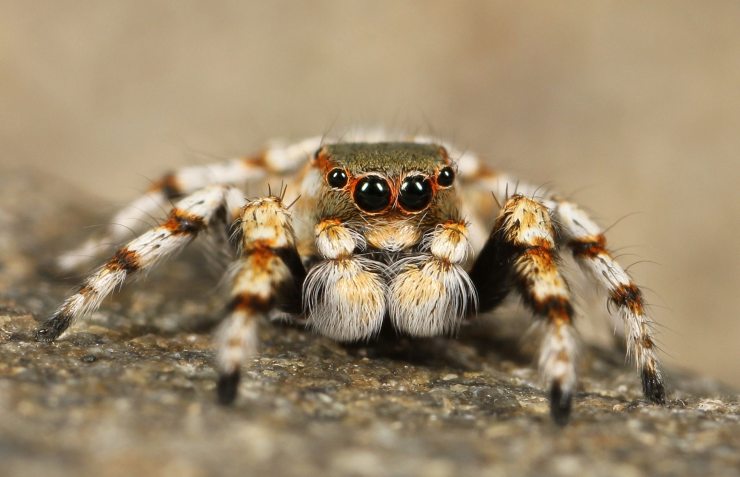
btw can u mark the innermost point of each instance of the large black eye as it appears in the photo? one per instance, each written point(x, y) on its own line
point(337, 178)
point(446, 177)
point(416, 193)
point(372, 194)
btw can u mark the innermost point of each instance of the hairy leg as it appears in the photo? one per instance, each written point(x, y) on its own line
point(521, 254)
point(588, 244)
point(186, 220)
point(268, 276)
point(278, 159)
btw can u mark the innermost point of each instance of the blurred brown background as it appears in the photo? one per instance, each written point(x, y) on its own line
point(634, 106)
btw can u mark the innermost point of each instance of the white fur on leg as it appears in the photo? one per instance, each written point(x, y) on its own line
point(285, 157)
point(558, 356)
point(191, 215)
point(132, 218)
point(588, 243)
point(279, 159)
point(264, 270)
point(236, 340)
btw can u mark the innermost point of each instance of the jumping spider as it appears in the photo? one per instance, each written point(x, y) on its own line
point(382, 232)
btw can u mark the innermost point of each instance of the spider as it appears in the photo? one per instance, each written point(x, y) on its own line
point(369, 230)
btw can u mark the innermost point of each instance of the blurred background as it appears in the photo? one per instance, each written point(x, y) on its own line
point(633, 107)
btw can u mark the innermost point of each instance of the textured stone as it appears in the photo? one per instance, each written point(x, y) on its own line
point(131, 391)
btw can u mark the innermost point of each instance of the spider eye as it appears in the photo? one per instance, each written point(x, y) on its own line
point(372, 194)
point(416, 193)
point(337, 178)
point(446, 177)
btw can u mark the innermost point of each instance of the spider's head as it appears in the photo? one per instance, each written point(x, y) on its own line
point(386, 179)
point(390, 191)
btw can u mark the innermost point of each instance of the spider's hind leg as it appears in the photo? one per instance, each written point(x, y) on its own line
point(521, 254)
point(190, 216)
point(278, 159)
point(267, 278)
point(588, 244)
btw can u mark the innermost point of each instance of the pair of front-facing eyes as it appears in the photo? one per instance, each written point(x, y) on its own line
point(373, 193)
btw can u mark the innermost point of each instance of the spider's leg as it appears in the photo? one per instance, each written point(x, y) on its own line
point(277, 159)
point(484, 190)
point(521, 254)
point(268, 277)
point(477, 175)
point(430, 293)
point(588, 244)
point(190, 216)
point(344, 294)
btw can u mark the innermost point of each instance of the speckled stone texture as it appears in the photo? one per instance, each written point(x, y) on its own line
point(131, 391)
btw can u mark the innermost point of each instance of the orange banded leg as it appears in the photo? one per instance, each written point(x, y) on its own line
point(277, 159)
point(268, 277)
point(588, 244)
point(521, 254)
point(187, 219)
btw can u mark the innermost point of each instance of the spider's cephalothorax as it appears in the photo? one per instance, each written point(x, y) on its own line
point(404, 230)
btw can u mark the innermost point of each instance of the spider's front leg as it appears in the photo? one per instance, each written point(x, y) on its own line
point(186, 220)
point(521, 253)
point(268, 277)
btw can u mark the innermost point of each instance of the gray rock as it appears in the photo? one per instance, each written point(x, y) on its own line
point(131, 391)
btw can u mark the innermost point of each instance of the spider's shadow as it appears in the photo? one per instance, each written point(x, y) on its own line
point(474, 345)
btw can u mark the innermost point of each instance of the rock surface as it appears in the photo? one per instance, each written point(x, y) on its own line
point(131, 390)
